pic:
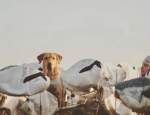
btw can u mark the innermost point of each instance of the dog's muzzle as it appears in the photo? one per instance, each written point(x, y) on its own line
point(49, 66)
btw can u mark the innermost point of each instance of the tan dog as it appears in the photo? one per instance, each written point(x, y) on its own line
point(51, 69)
point(50, 64)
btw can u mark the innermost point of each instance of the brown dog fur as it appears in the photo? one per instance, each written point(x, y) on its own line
point(53, 72)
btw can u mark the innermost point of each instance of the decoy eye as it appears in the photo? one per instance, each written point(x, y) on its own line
point(106, 79)
point(72, 95)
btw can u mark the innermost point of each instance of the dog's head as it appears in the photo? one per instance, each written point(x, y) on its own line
point(50, 64)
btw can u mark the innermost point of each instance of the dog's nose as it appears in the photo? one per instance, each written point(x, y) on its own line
point(49, 66)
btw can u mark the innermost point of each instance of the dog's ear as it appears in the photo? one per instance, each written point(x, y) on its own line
point(59, 57)
point(40, 57)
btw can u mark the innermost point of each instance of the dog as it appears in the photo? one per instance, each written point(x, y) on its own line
point(52, 70)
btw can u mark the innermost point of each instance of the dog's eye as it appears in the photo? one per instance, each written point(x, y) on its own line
point(45, 58)
point(53, 58)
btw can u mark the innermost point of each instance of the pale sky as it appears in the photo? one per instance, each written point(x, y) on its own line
point(111, 31)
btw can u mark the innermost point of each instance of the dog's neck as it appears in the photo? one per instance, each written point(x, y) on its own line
point(52, 74)
point(55, 73)
point(55, 82)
